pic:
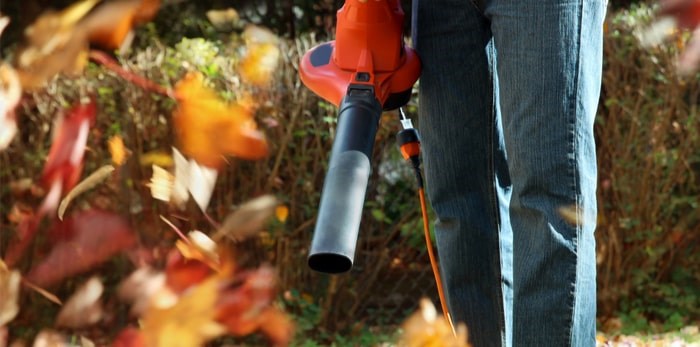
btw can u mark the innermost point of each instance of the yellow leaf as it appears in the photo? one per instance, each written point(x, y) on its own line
point(117, 150)
point(208, 129)
point(282, 212)
point(190, 322)
point(158, 158)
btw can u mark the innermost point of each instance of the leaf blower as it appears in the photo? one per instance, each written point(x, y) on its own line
point(366, 70)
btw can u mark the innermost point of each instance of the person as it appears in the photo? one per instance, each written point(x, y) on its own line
point(507, 100)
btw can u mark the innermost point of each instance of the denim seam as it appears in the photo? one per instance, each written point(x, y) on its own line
point(495, 209)
point(574, 167)
point(477, 6)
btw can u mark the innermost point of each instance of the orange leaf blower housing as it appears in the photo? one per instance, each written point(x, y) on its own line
point(367, 69)
point(368, 50)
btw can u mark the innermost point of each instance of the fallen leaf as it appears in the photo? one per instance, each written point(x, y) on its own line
point(9, 293)
point(117, 150)
point(84, 307)
point(190, 322)
point(261, 57)
point(88, 183)
point(87, 239)
point(208, 129)
point(248, 219)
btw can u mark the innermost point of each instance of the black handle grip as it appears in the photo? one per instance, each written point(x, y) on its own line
point(338, 222)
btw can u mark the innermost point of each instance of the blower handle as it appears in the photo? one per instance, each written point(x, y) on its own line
point(337, 227)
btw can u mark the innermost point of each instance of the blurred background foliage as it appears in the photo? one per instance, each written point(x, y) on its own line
point(647, 133)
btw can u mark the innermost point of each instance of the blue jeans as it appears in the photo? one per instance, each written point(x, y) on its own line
point(508, 97)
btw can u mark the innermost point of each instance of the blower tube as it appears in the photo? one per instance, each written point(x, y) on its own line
point(335, 236)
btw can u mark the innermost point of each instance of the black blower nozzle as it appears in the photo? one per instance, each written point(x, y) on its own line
point(338, 223)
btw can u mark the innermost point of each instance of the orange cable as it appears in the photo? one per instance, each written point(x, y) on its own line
point(433, 259)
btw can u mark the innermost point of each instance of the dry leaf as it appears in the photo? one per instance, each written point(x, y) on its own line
point(9, 293)
point(84, 307)
point(248, 219)
point(54, 44)
point(10, 93)
point(200, 247)
point(161, 184)
point(208, 129)
point(140, 287)
point(88, 183)
point(190, 178)
point(261, 57)
point(190, 322)
point(182, 274)
point(43, 292)
point(425, 328)
point(117, 150)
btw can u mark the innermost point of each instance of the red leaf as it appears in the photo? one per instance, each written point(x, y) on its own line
point(248, 307)
point(65, 160)
point(86, 240)
point(687, 12)
point(129, 337)
point(182, 273)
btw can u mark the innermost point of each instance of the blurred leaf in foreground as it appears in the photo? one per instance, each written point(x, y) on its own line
point(84, 307)
point(10, 94)
point(9, 294)
point(425, 328)
point(209, 129)
point(262, 55)
point(84, 241)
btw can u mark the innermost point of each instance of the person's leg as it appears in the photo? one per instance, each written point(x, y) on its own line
point(461, 151)
point(549, 69)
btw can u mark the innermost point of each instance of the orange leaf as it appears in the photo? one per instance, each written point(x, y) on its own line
point(282, 212)
point(117, 150)
point(262, 55)
point(182, 273)
point(209, 129)
point(110, 24)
